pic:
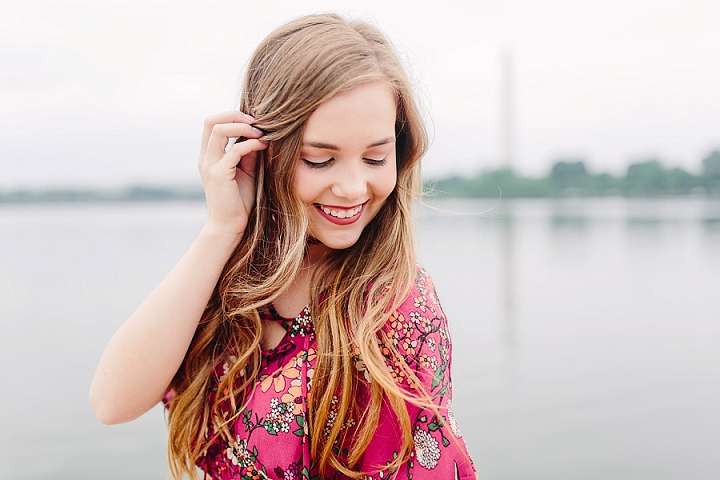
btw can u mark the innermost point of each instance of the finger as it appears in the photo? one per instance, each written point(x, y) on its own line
point(247, 165)
point(243, 155)
point(232, 116)
point(221, 133)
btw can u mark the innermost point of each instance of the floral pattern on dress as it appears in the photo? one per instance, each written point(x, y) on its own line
point(271, 438)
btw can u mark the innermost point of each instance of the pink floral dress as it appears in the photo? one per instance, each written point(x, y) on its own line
point(271, 434)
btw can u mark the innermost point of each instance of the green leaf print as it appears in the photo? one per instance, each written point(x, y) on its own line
point(438, 376)
point(270, 427)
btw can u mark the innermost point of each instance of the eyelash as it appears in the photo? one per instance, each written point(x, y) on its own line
point(324, 164)
point(372, 161)
point(317, 164)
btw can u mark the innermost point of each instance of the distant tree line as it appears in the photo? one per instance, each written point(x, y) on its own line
point(130, 194)
point(570, 177)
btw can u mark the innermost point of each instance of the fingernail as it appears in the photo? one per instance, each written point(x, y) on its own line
point(266, 142)
point(249, 117)
point(258, 131)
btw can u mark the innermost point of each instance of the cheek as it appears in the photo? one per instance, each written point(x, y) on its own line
point(304, 187)
point(386, 183)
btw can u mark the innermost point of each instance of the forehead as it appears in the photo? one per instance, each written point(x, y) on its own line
point(363, 114)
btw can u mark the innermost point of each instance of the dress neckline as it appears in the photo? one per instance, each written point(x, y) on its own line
point(292, 327)
point(274, 315)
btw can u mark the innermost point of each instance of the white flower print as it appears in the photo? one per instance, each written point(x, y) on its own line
point(231, 360)
point(427, 450)
point(361, 367)
point(302, 325)
point(451, 420)
point(280, 417)
point(237, 453)
point(331, 416)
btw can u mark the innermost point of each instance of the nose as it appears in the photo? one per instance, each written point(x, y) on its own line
point(351, 182)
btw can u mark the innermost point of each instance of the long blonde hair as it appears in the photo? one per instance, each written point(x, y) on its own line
point(294, 70)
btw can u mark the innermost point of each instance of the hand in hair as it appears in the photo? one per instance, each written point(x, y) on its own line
point(228, 177)
point(144, 355)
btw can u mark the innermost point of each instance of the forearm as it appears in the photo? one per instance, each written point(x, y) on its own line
point(145, 353)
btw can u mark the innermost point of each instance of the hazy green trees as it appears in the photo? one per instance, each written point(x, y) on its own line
point(711, 172)
point(569, 176)
point(648, 176)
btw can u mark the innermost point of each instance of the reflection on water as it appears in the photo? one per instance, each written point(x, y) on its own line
point(586, 346)
point(508, 304)
point(585, 333)
point(563, 224)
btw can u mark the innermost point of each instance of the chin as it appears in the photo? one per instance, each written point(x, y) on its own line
point(336, 238)
point(338, 244)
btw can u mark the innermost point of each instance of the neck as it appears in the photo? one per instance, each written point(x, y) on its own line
point(297, 294)
point(314, 254)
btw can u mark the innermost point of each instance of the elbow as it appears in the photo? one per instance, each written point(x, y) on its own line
point(107, 418)
point(107, 412)
point(106, 415)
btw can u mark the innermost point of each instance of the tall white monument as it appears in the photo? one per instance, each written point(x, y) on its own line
point(507, 127)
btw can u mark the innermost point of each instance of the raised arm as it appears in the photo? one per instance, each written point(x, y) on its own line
point(145, 353)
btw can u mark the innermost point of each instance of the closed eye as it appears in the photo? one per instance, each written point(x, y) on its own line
point(372, 161)
point(318, 164)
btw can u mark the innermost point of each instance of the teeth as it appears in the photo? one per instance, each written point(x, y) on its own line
point(342, 213)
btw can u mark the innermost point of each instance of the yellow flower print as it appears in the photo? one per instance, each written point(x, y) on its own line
point(396, 321)
point(293, 397)
point(277, 379)
point(407, 329)
point(427, 361)
point(305, 357)
point(290, 371)
point(421, 322)
point(409, 345)
point(420, 302)
point(360, 365)
point(384, 350)
point(397, 373)
point(227, 366)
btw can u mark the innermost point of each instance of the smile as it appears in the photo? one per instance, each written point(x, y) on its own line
point(340, 215)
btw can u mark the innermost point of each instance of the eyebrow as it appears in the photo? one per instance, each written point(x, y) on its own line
point(329, 146)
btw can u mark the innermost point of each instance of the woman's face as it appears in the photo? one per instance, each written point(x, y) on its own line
point(346, 168)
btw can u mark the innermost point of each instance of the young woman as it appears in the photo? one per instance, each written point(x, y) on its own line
point(297, 338)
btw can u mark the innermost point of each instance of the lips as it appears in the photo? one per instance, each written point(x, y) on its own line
point(340, 215)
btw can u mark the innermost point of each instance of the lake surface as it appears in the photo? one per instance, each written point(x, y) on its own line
point(586, 333)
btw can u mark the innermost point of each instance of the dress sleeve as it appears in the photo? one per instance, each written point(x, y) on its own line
point(167, 398)
point(419, 332)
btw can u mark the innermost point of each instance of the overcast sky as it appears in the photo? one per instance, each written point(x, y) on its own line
point(109, 93)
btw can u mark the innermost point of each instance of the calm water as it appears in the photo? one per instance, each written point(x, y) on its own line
point(586, 333)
